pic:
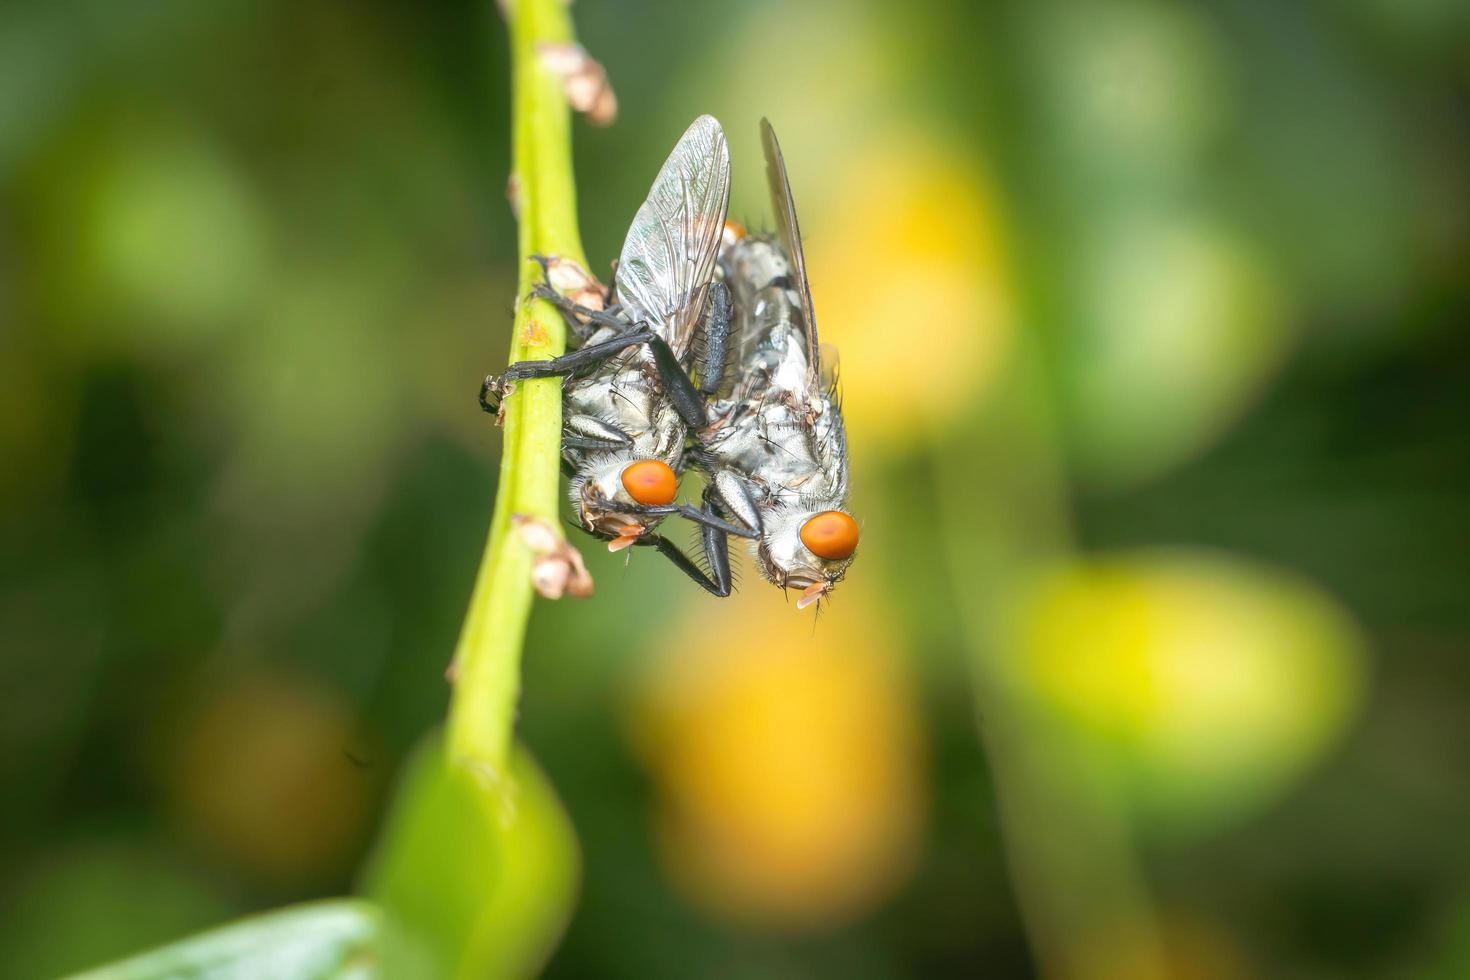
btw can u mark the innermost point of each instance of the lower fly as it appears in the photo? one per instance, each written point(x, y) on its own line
point(628, 399)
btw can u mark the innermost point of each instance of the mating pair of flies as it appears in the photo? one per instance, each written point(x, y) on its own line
point(705, 355)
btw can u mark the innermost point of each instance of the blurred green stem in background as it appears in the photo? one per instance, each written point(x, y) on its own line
point(487, 659)
point(1078, 882)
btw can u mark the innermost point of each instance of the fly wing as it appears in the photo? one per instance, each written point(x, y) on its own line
point(791, 241)
point(669, 255)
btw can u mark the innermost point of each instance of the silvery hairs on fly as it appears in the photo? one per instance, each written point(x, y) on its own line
point(774, 446)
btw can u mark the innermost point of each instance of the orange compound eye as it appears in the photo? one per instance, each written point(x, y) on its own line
point(734, 229)
point(651, 481)
point(832, 535)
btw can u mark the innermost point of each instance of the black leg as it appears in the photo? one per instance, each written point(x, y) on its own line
point(577, 360)
point(493, 390)
point(687, 400)
point(716, 338)
point(716, 546)
point(701, 517)
point(681, 561)
point(544, 261)
point(581, 318)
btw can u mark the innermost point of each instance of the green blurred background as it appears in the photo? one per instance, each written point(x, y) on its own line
point(1154, 660)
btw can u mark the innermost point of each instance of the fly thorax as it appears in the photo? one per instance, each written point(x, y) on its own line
point(753, 260)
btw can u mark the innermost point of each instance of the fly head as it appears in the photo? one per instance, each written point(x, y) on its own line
point(612, 490)
point(808, 549)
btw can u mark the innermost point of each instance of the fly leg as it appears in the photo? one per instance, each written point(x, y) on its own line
point(714, 585)
point(545, 261)
point(678, 386)
point(590, 432)
point(687, 399)
point(586, 434)
point(716, 546)
point(494, 390)
point(713, 538)
point(704, 518)
point(589, 445)
point(716, 339)
point(582, 319)
point(735, 497)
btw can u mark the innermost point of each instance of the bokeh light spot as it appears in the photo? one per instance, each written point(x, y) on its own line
point(1211, 683)
point(266, 776)
point(790, 788)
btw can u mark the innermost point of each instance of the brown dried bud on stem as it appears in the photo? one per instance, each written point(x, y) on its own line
point(575, 283)
point(584, 80)
point(557, 569)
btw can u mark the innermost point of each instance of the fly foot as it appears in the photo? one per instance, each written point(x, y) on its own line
point(492, 396)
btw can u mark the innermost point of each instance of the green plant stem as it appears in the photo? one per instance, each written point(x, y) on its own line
point(487, 659)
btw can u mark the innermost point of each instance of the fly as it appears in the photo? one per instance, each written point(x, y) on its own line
point(628, 400)
point(774, 446)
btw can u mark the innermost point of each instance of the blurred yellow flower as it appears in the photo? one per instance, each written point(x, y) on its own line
point(1212, 683)
point(901, 222)
point(909, 282)
point(787, 762)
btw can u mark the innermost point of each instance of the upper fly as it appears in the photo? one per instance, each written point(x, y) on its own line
point(774, 445)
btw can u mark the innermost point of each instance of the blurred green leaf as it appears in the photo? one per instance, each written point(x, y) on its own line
point(323, 939)
point(87, 892)
point(148, 233)
point(475, 879)
point(1179, 310)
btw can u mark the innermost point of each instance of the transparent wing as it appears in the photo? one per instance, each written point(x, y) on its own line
point(791, 241)
point(669, 255)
